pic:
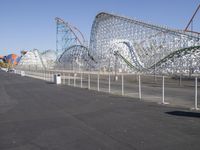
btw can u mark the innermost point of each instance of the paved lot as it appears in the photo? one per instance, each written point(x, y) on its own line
point(35, 115)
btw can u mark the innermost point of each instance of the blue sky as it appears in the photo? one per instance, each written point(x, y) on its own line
point(28, 24)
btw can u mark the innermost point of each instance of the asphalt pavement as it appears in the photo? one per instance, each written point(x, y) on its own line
point(37, 115)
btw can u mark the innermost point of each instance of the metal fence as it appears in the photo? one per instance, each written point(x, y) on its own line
point(178, 92)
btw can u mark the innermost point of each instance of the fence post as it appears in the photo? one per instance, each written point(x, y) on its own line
point(196, 98)
point(41, 75)
point(163, 91)
point(74, 79)
point(122, 84)
point(63, 78)
point(49, 76)
point(140, 92)
point(45, 75)
point(69, 79)
point(88, 81)
point(98, 82)
point(180, 80)
point(81, 79)
point(109, 82)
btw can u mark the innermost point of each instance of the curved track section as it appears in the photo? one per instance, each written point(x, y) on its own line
point(178, 54)
point(77, 57)
point(129, 64)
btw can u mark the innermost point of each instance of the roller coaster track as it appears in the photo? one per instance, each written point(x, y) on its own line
point(144, 42)
point(134, 55)
point(36, 54)
point(73, 29)
point(116, 53)
point(67, 35)
point(177, 54)
point(78, 52)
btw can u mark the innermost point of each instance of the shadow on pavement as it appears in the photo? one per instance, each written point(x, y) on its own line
point(184, 114)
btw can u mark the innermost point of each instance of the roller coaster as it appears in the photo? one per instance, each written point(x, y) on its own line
point(129, 44)
point(147, 45)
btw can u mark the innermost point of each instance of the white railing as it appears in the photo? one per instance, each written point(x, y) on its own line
point(160, 89)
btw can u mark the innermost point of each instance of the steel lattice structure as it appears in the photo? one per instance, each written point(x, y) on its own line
point(119, 43)
point(77, 56)
point(71, 49)
point(133, 45)
point(66, 36)
point(32, 59)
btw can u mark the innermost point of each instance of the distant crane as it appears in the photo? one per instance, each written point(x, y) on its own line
point(191, 21)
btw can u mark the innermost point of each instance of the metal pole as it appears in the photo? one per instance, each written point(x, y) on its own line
point(88, 81)
point(64, 78)
point(98, 82)
point(163, 91)
point(140, 94)
point(122, 84)
point(180, 80)
point(49, 76)
point(81, 80)
point(45, 75)
point(154, 68)
point(69, 79)
point(109, 83)
point(60, 77)
point(196, 98)
point(47, 79)
point(74, 79)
